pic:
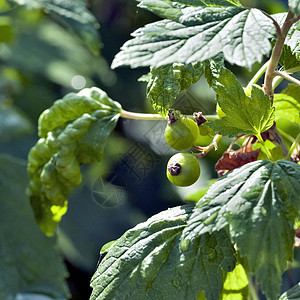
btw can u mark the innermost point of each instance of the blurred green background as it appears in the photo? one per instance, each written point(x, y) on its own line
point(41, 61)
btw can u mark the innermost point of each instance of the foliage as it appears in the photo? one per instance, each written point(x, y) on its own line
point(241, 228)
point(30, 265)
point(73, 131)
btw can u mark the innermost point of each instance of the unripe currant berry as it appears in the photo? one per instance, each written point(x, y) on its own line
point(181, 132)
point(183, 169)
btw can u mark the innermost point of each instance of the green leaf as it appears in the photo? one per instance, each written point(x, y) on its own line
point(173, 9)
point(291, 294)
point(235, 286)
point(29, 262)
point(73, 106)
point(287, 104)
point(105, 248)
point(150, 262)
point(72, 14)
point(166, 82)
point(244, 115)
point(209, 2)
point(291, 44)
point(242, 35)
point(162, 8)
point(293, 41)
point(295, 6)
point(289, 60)
point(71, 134)
point(259, 203)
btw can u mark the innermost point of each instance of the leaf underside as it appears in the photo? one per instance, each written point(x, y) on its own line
point(168, 81)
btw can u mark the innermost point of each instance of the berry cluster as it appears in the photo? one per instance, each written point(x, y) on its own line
point(181, 134)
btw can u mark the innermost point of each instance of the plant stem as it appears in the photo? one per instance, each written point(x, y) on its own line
point(277, 80)
point(287, 136)
point(265, 148)
point(287, 77)
point(276, 53)
point(252, 290)
point(258, 74)
point(144, 116)
point(293, 146)
point(271, 73)
point(213, 144)
point(141, 116)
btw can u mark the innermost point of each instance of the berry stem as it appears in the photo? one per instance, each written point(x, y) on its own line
point(293, 146)
point(140, 116)
point(144, 116)
point(265, 148)
point(287, 77)
point(213, 144)
point(258, 74)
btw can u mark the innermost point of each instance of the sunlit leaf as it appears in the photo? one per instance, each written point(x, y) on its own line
point(73, 131)
point(244, 115)
point(258, 203)
point(150, 262)
point(242, 35)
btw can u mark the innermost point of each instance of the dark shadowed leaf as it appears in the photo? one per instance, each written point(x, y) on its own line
point(29, 265)
point(72, 14)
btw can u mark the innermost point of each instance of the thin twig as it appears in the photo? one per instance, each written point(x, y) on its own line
point(287, 77)
point(213, 144)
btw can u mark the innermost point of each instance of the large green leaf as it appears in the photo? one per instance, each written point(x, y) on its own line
point(259, 203)
point(29, 263)
point(73, 131)
point(150, 262)
point(287, 103)
point(242, 35)
point(166, 82)
point(295, 6)
point(72, 14)
point(250, 115)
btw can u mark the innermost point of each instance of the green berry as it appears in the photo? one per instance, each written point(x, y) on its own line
point(204, 130)
point(183, 169)
point(182, 133)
